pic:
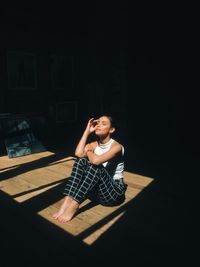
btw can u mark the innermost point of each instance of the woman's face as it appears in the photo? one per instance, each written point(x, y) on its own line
point(103, 126)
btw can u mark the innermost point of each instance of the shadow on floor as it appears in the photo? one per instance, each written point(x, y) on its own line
point(152, 232)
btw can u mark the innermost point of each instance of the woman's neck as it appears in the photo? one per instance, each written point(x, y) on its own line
point(104, 139)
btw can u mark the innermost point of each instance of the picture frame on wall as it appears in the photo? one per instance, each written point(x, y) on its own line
point(66, 111)
point(62, 72)
point(21, 70)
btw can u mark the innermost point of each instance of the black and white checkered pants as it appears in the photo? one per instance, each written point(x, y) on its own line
point(94, 182)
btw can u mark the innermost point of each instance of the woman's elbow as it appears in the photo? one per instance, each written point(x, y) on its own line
point(79, 155)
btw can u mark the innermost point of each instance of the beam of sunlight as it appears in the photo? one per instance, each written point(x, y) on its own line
point(92, 221)
point(36, 181)
point(90, 239)
point(37, 192)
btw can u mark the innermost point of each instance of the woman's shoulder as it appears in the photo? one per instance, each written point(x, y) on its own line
point(117, 144)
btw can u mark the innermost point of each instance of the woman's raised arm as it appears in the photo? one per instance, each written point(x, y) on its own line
point(90, 128)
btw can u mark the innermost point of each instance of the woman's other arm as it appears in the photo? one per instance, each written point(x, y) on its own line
point(99, 159)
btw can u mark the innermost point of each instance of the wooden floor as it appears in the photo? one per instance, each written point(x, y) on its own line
point(26, 178)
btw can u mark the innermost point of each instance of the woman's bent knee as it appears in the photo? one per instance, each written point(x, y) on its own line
point(82, 160)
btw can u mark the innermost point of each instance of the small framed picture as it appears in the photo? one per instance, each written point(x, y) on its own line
point(21, 69)
point(66, 111)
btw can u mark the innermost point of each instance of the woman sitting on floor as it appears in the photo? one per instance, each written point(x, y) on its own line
point(97, 172)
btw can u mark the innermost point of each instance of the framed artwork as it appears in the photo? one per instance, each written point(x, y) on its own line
point(66, 111)
point(21, 69)
point(62, 72)
point(20, 140)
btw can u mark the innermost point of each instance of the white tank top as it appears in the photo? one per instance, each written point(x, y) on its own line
point(114, 166)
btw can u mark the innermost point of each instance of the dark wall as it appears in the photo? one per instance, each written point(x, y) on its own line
point(141, 83)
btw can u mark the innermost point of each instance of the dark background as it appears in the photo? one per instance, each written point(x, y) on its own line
point(134, 63)
point(137, 63)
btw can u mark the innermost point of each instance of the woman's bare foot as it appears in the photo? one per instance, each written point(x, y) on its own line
point(69, 213)
point(66, 203)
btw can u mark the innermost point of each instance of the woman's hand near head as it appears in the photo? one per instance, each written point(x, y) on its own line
point(91, 125)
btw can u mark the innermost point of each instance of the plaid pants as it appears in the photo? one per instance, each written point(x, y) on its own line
point(92, 181)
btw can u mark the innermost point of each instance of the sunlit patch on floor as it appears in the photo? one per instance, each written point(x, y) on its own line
point(35, 181)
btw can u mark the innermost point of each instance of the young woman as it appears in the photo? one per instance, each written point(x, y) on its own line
point(97, 172)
